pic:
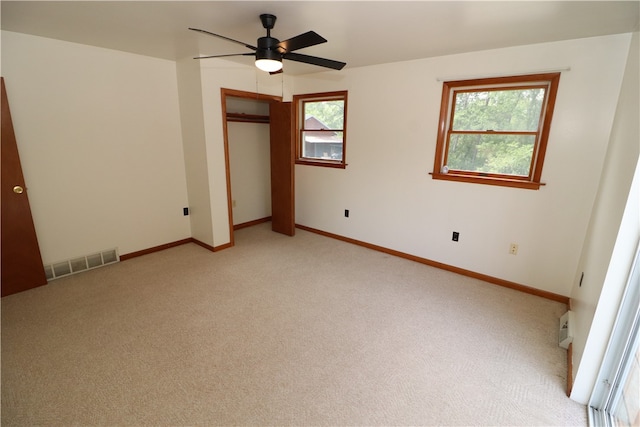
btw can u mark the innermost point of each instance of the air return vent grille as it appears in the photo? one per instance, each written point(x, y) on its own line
point(80, 264)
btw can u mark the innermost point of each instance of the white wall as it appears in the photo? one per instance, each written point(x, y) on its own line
point(612, 236)
point(195, 150)
point(99, 138)
point(250, 164)
point(392, 126)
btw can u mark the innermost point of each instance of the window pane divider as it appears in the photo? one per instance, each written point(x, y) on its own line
point(492, 132)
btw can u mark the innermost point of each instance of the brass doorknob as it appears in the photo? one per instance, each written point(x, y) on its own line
point(18, 190)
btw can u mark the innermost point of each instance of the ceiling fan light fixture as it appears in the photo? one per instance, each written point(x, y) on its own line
point(268, 60)
point(269, 65)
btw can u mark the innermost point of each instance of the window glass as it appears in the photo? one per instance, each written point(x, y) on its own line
point(498, 154)
point(507, 110)
point(325, 145)
point(327, 114)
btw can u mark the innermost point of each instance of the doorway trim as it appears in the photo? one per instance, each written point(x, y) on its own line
point(224, 93)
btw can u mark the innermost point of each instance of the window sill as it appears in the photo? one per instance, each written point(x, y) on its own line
point(323, 163)
point(502, 182)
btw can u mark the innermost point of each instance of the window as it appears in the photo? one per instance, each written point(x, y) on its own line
point(494, 131)
point(321, 126)
point(614, 400)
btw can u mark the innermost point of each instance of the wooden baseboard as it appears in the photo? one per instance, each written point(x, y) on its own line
point(469, 273)
point(204, 245)
point(569, 369)
point(159, 248)
point(221, 247)
point(155, 249)
point(251, 223)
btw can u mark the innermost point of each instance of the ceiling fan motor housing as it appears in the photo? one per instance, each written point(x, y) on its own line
point(268, 49)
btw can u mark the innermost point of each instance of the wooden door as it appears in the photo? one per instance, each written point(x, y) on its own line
point(22, 266)
point(282, 168)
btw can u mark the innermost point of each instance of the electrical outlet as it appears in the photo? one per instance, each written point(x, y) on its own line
point(456, 236)
point(346, 213)
point(513, 249)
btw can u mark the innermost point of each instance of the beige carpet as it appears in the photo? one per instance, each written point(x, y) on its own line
point(281, 331)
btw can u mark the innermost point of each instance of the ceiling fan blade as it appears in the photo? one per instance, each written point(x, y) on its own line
point(310, 38)
point(222, 56)
point(314, 60)
point(223, 37)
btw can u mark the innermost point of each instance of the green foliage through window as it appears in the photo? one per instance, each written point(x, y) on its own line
point(330, 113)
point(498, 154)
point(508, 110)
point(489, 111)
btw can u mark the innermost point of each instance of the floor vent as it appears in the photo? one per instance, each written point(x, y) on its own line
point(566, 330)
point(80, 264)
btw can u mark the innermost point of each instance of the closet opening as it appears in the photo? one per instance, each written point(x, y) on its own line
point(258, 154)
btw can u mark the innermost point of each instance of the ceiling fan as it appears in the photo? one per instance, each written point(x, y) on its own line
point(270, 51)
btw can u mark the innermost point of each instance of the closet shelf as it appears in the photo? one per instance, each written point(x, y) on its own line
point(247, 118)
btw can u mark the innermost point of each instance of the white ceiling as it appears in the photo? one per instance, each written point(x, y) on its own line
point(359, 33)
